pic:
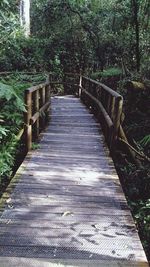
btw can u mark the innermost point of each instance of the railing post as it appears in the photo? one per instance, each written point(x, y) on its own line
point(37, 124)
point(80, 86)
point(42, 104)
point(48, 99)
point(117, 117)
point(27, 117)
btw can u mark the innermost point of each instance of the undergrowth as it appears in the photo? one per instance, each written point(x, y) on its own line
point(12, 88)
point(110, 72)
point(136, 180)
point(110, 76)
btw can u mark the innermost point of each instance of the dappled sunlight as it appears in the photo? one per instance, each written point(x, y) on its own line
point(69, 207)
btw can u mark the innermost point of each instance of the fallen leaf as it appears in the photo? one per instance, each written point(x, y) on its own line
point(8, 200)
point(10, 206)
point(96, 226)
point(67, 213)
point(9, 221)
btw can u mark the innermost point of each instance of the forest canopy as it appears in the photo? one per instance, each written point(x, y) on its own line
point(74, 35)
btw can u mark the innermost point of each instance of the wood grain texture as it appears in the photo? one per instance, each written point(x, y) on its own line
point(65, 206)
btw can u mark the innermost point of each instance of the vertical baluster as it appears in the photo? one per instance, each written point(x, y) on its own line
point(117, 116)
point(89, 102)
point(112, 107)
point(80, 87)
point(37, 124)
point(47, 99)
point(27, 117)
point(42, 104)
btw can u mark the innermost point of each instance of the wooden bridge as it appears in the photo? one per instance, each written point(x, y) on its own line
point(65, 206)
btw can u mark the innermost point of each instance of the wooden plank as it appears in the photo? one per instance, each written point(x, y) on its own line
point(50, 261)
point(57, 199)
point(74, 188)
point(122, 246)
point(52, 178)
point(107, 194)
point(113, 223)
point(73, 155)
point(57, 232)
point(84, 124)
point(115, 209)
point(64, 205)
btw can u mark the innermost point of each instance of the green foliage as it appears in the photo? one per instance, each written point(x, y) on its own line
point(141, 213)
point(35, 146)
point(12, 107)
point(103, 31)
point(11, 116)
point(3, 132)
point(8, 95)
point(111, 72)
point(7, 155)
point(9, 31)
point(92, 35)
point(145, 141)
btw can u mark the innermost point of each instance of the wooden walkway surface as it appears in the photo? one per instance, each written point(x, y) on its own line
point(65, 206)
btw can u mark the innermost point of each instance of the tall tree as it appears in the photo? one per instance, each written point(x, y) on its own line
point(25, 15)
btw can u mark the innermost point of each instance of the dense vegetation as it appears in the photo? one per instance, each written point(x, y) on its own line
point(107, 40)
point(11, 119)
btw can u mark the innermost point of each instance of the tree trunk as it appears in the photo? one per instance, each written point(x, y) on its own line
point(136, 25)
point(25, 15)
point(101, 58)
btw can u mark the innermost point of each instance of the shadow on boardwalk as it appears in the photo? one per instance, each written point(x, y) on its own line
point(68, 208)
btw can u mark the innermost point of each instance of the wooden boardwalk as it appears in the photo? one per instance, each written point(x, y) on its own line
point(65, 206)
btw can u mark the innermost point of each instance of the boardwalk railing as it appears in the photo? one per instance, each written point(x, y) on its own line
point(106, 104)
point(37, 101)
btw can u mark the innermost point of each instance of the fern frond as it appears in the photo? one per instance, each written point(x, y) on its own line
point(145, 141)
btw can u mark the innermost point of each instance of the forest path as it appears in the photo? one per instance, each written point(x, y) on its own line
point(65, 206)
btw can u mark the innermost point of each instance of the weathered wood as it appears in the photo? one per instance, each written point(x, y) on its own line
point(36, 87)
point(117, 117)
point(36, 116)
point(97, 102)
point(37, 100)
point(108, 126)
point(106, 88)
point(48, 99)
point(27, 117)
point(65, 206)
point(37, 125)
point(107, 103)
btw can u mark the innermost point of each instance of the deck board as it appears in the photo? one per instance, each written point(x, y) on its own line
point(65, 206)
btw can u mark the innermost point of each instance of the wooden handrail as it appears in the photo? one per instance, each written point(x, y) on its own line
point(37, 101)
point(106, 88)
point(99, 104)
point(107, 105)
